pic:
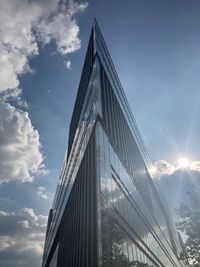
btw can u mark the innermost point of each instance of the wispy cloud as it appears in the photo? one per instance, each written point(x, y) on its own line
point(67, 64)
point(43, 193)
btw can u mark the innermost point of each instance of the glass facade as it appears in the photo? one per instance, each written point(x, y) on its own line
point(107, 210)
point(133, 229)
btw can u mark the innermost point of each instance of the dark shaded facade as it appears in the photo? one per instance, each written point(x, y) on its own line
point(107, 209)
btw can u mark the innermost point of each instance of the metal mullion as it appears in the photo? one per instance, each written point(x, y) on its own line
point(80, 218)
point(110, 108)
point(113, 118)
point(104, 96)
point(87, 202)
point(120, 131)
point(76, 221)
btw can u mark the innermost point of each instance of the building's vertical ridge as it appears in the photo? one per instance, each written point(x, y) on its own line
point(85, 76)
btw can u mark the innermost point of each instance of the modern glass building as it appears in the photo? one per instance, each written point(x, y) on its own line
point(107, 209)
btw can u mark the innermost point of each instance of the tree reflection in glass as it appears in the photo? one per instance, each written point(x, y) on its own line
point(113, 243)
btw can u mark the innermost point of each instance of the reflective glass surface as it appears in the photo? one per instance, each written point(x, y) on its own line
point(54, 259)
point(132, 232)
point(91, 108)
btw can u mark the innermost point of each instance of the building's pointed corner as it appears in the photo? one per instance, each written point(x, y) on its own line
point(95, 25)
point(94, 29)
point(94, 22)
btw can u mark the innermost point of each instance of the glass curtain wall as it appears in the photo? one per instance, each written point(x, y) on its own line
point(130, 234)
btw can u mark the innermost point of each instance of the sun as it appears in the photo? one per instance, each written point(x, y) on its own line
point(183, 163)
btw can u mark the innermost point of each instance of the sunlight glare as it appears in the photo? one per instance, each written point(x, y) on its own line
point(183, 163)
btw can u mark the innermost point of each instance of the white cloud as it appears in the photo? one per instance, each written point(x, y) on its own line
point(43, 193)
point(22, 236)
point(17, 42)
point(175, 182)
point(20, 149)
point(67, 64)
point(163, 167)
point(23, 24)
point(195, 166)
point(63, 29)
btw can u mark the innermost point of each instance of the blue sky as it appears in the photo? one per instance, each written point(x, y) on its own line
point(155, 49)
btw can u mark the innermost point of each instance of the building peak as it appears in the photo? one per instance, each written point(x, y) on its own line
point(94, 21)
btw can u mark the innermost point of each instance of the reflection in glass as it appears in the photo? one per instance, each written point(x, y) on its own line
point(146, 240)
point(117, 248)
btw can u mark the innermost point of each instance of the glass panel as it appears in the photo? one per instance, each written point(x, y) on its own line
point(54, 259)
